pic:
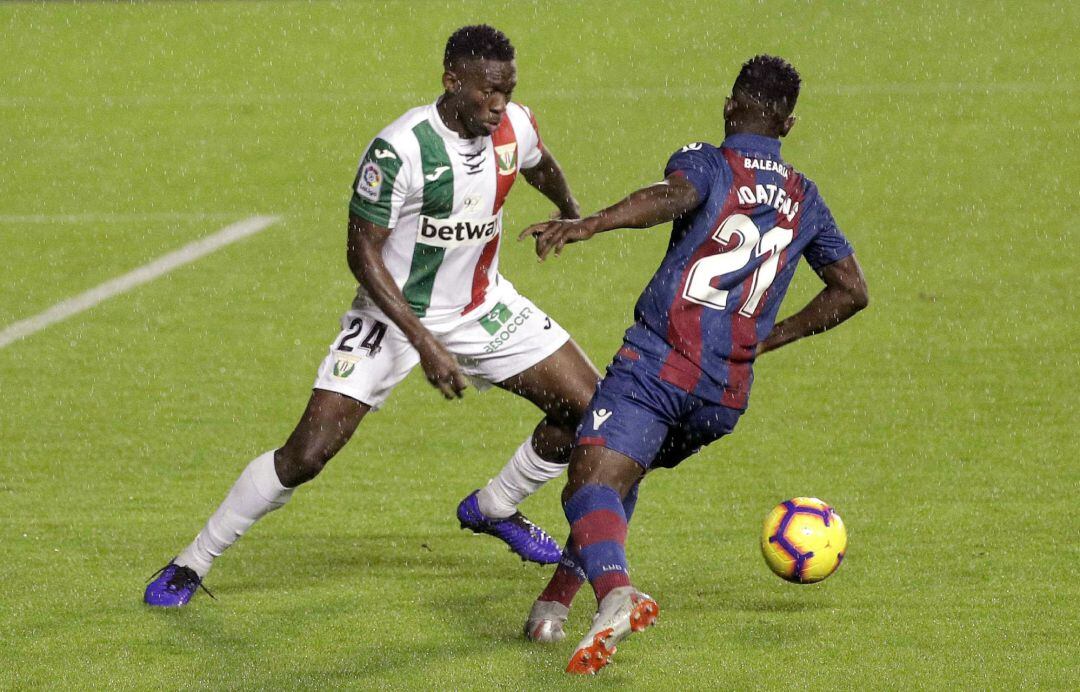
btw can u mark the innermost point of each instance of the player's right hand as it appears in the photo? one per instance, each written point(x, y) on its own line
point(442, 369)
point(554, 235)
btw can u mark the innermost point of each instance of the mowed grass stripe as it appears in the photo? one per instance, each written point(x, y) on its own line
point(137, 277)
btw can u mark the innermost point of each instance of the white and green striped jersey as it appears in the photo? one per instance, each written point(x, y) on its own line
point(441, 196)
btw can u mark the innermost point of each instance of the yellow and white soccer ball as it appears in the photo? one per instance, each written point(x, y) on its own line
point(803, 540)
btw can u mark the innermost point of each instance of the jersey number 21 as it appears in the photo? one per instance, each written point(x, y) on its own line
point(751, 245)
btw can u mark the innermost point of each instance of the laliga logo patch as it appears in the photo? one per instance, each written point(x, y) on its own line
point(369, 182)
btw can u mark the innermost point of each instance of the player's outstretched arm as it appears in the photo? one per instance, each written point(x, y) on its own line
point(548, 177)
point(845, 293)
point(659, 203)
point(365, 260)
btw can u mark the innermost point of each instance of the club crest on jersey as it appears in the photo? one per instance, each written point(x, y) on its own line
point(506, 157)
point(343, 367)
point(457, 232)
point(369, 182)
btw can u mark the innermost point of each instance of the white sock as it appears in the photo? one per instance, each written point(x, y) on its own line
point(256, 493)
point(522, 476)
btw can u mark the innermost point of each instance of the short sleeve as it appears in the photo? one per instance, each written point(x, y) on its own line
point(379, 187)
point(828, 243)
point(697, 164)
point(532, 147)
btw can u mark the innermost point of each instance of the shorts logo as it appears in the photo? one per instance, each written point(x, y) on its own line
point(369, 182)
point(599, 417)
point(343, 367)
point(495, 319)
point(502, 324)
point(506, 157)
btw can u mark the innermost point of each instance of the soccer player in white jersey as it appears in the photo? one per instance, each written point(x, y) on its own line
point(425, 225)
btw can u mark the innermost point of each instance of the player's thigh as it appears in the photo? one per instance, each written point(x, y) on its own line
point(703, 425)
point(629, 414)
point(367, 359)
point(561, 385)
point(512, 339)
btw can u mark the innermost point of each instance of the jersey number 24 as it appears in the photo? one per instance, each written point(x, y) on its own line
point(750, 245)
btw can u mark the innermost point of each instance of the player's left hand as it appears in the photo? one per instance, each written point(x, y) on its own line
point(554, 235)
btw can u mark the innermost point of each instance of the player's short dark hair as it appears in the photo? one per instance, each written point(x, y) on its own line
point(769, 82)
point(477, 41)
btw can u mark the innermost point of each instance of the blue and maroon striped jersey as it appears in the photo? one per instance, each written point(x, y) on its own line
point(728, 265)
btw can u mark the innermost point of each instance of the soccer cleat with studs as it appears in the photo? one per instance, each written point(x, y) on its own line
point(545, 622)
point(622, 611)
point(526, 539)
point(173, 586)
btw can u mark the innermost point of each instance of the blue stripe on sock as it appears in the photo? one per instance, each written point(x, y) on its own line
point(590, 498)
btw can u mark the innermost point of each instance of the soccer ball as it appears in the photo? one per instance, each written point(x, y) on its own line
point(803, 540)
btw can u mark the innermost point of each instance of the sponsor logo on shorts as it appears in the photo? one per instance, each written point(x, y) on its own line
point(494, 320)
point(343, 367)
point(599, 417)
point(369, 182)
point(457, 232)
point(505, 328)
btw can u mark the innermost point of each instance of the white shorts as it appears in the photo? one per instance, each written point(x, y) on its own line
point(370, 355)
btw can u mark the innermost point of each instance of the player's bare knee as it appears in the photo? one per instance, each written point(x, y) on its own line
point(295, 467)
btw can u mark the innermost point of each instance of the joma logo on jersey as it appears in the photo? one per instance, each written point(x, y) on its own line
point(457, 232)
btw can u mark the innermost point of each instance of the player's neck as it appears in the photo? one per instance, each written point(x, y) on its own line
point(750, 128)
point(451, 117)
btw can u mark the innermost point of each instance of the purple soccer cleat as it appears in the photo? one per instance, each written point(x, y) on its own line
point(526, 539)
point(173, 587)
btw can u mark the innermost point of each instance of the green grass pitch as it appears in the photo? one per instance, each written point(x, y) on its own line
point(941, 422)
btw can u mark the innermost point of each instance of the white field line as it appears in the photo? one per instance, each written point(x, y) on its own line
point(926, 88)
point(137, 277)
point(107, 217)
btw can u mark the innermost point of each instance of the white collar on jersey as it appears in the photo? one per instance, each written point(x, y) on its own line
point(440, 127)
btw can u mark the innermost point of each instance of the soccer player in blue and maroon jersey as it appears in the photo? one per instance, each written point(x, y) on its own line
point(742, 219)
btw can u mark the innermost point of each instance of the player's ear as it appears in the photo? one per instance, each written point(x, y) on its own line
point(789, 122)
point(729, 107)
point(450, 82)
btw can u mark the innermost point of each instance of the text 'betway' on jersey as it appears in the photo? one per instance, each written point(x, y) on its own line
point(457, 232)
